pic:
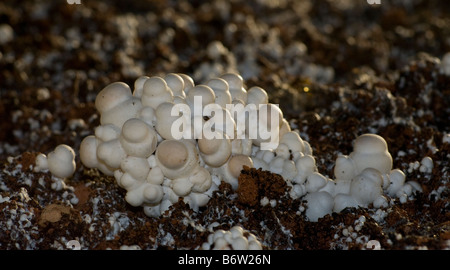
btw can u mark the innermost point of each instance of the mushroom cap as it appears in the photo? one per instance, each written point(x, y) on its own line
point(236, 86)
point(107, 132)
point(369, 144)
point(236, 164)
point(371, 151)
point(41, 163)
point(283, 151)
point(61, 162)
point(223, 98)
point(173, 154)
point(116, 104)
point(111, 153)
point(120, 113)
point(63, 151)
point(253, 243)
point(344, 168)
point(234, 80)
point(293, 141)
point(270, 116)
point(153, 193)
point(237, 231)
point(139, 86)
point(112, 95)
point(155, 92)
point(148, 115)
point(397, 180)
point(205, 92)
point(209, 146)
point(289, 169)
point(188, 82)
point(175, 83)
point(162, 125)
point(154, 86)
point(236, 238)
point(137, 167)
point(143, 193)
point(134, 197)
point(166, 123)
point(284, 127)
point(220, 120)
point(218, 84)
point(177, 158)
point(239, 243)
point(135, 130)
point(138, 138)
point(276, 165)
point(127, 181)
point(265, 130)
point(182, 186)
point(179, 100)
point(201, 180)
point(88, 151)
point(215, 152)
point(221, 91)
point(306, 164)
point(155, 176)
point(256, 95)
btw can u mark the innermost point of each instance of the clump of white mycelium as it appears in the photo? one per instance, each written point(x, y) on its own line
point(136, 145)
point(236, 238)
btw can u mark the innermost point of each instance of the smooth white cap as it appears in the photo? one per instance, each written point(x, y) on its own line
point(205, 92)
point(138, 138)
point(155, 92)
point(215, 152)
point(396, 181)
point(61, 162)
point(256, 95)
point(116, 104)
point(112, 95)
point(176, 158)
point(371, 151)
point(344, 169)
point(236, 86)
point(293, 141)
point(176, 84)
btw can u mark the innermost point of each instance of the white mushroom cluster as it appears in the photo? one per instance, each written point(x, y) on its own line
point(236, 238)
point(169, 138)
point(60, 162)
point(362, 178)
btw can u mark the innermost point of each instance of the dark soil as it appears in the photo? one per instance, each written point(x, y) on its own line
point(385, 79)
